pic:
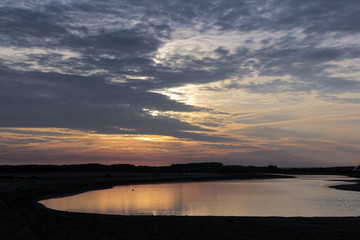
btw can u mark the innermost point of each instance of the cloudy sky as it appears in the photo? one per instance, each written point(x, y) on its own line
point(247, 82)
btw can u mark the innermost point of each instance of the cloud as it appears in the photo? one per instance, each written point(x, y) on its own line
point(121, 39)
point(100, 66)
point(231, 147)
point(18, 24)
point(258, 118)
point(89, 103)
point(340, 100)
point(276, 133)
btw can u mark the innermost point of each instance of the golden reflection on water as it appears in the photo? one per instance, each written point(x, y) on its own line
point(308, 196)
point(137, 199)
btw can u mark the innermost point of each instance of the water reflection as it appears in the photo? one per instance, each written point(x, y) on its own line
point(304, 196)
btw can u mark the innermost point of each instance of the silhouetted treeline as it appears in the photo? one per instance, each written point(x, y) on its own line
point(92, 167)
point(189, 167)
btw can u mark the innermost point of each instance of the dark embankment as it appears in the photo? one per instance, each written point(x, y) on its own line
point(21, 217)
point(354, 185)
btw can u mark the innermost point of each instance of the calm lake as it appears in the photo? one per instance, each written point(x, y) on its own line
point(302, 196)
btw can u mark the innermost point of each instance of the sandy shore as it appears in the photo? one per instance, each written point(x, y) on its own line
point(21, 217)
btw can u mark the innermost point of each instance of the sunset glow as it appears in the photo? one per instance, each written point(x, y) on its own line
point(157, 83)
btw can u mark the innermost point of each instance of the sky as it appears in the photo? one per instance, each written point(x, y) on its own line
point(242, 82)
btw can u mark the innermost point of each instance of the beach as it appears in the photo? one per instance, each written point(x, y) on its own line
point(23, 218)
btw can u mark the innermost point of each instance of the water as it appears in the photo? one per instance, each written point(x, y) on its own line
point(302, 196)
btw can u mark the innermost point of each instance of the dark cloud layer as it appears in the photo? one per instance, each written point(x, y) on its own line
point(100, 87)
point(56, 100)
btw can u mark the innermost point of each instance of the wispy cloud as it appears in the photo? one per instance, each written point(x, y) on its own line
point(245, 69)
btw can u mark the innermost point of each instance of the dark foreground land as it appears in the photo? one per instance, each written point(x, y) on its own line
point(21, 217)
